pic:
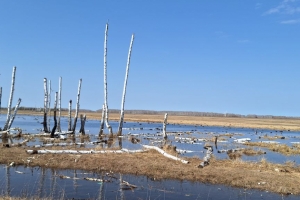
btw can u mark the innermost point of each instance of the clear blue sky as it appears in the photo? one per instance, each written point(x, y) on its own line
point(214, 56)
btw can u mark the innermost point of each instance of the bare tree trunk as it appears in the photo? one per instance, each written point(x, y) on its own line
point(165, 126)
point(124, 89)
point(10, 98)
point(0, 98)
point(49, 104)
point(54, 117)
point(102, 121)
point(70, 119)
point(59, 105)
point(105, 83)
point(207, 157)
point(82, 120)
point(45, 106)
point(14, 115)
point(77, 107)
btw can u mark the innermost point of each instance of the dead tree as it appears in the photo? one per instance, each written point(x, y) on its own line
point(14, 115)
point(165, 126)
point(102, 121)
point(0, 98)
point(206, 159)
point(10, 98)
point(49, 104)
point(77, 107)
point(59, 105)
point(54, 117)
point(70, 118)
point(45, 106)
point(124, 89)
point(105, 83)
point(82, 120)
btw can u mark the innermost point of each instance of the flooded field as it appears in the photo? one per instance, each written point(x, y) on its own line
point(189, 141)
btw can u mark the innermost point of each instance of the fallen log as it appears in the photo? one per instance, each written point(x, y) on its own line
point(207, 157)
point(165, 154)
point(45, 151)
point(16, 144)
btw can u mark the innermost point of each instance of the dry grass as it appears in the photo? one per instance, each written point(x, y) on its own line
point(280, 148)
point(255, 123)
point(278, 178)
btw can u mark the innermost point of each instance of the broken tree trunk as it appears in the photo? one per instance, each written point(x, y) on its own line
point(70, 118)
point(10, 98)
point(82, 120)
point(14, 115)
point(124, 89)
point(45, 106)
point(0, 98)
point(165, 126)
point(59, 105)
point(207, 157)
point(77, 107)
point(49, 104)
point(102, 121)
point(105, 83)
point(54, 117)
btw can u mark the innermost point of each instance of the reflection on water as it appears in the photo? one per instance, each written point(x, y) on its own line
point(67, 184)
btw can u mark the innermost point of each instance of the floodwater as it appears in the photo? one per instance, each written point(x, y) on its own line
point(189, 140)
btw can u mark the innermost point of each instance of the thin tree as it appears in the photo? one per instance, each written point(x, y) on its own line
point(49, 104)
point(124, 89)
point(59, 105)
point(45, 106)
point(54, 117)
point(105, 82)
point(15, 113)
point(102, 121)
point(70, 118)
point(77, 107)
point(165, 126)
point(82, 120)
point(10, 98)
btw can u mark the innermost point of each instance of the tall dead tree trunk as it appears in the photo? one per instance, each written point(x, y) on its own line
point(49, 104)
point(77, 107)
point(14, 115)
point(45, 106)
point(82, 120)
point(0, 98)
point(10, 98)
point(102, 121)
point(124, 89)
point(165, 126)
point(54, 117)
point(70, 118)
point(59, 105)
point(105, 83)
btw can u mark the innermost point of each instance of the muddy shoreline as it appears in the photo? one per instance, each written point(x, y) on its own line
point(283, 179)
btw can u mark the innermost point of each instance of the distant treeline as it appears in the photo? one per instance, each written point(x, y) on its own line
point(180, 113)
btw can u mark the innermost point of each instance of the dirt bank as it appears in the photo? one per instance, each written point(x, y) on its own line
point(284, 179)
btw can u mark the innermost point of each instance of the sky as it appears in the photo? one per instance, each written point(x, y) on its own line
point(232, 56)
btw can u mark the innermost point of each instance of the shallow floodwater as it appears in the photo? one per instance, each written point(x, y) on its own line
point(189, 140)
point(47, 183)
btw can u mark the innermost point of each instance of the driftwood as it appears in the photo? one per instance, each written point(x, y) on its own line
point(70, 118)
point(165, 154)
point(206, 159)
point(45, 106)
point(45, 151)
point(77, 106)
point(124, 89)
point(16, 144)
point(165, 126)
point(10, 98)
